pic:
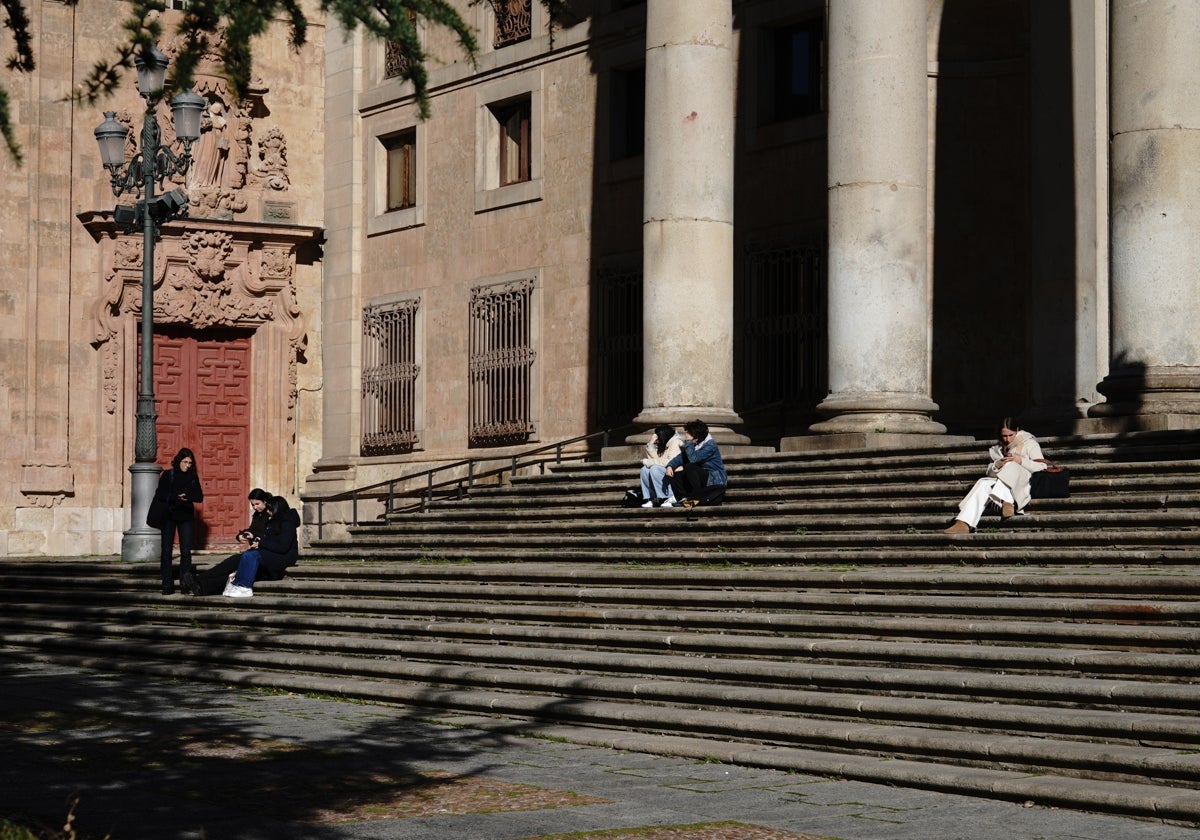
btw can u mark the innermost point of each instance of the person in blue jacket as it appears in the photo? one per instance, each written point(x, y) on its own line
point(270, 556)
point(698, 473)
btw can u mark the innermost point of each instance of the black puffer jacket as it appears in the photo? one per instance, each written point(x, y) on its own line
point(279, 545)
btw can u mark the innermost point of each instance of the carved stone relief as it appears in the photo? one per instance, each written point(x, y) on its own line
point(204, 277)
point(230, 172)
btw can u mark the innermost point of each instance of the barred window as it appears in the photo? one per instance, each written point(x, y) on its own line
point(501, 363)
point(514, 22)
point(395, 61)
point(617, 336)
point(781, 310)
point(389, 377)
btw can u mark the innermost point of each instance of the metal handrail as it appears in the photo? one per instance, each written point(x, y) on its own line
point(426, 493)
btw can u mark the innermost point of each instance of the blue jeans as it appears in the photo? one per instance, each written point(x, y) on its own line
point(247, 569)
point(654, 483)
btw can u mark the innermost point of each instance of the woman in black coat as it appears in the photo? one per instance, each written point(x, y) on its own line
point(179, 489)
point(271, 556)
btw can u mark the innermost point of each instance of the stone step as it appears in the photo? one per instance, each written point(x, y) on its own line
point(1078, 675)
point(983, 548)
point(1139, 797)
point(741, 713)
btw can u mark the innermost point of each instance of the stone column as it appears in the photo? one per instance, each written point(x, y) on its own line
point(879, 306)
point(688, 216)
point(1154, 376)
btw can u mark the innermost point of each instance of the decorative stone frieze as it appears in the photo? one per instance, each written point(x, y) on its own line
point(207, 274)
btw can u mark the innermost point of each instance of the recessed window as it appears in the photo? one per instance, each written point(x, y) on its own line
point(513, 119)
point(628, 113)
point(508, 144)
point(401, 170)
point(790, 78)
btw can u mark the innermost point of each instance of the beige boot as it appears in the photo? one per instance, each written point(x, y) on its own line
point(1007, 510)
point(959, 527)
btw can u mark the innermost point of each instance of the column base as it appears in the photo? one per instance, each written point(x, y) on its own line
point(141, 543)
point(719, 420)
point(1147, 392)
point(866, 440)
point(1136, 423)
point(878, 414)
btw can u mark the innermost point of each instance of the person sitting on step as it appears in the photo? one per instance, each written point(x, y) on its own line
point(698, 473)
point(664, 444)
point(271, 556)
point(213, 580)
point(1013, 460)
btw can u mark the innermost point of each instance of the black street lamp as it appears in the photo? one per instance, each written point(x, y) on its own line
point(153, 164)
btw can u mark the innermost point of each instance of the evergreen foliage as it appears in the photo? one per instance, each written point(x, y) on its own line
point(229, 27)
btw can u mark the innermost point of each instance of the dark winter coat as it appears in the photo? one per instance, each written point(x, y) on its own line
point(171, 483)
point(279, 545)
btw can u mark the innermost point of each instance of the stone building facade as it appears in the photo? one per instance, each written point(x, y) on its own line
point(236, 301)
point(811, 223)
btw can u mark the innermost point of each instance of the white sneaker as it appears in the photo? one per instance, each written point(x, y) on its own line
point(235, 591)
point(648, 503)
point(669, 502)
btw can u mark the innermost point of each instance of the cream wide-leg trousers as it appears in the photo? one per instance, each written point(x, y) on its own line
point(971, 508)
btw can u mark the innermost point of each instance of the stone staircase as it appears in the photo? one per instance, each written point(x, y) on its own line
point(818, 621)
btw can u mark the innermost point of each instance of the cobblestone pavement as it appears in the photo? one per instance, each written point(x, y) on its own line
point(151, 758)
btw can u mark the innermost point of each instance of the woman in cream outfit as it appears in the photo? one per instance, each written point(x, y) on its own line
point(663, 445)
point(1013, 460)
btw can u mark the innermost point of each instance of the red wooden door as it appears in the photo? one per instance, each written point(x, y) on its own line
point(202, 395)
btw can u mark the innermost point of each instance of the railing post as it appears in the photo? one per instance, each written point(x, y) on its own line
point(320, 518)
point(470, 474)
point(354, 508)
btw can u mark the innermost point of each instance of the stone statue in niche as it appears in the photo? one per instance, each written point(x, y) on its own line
point(228, 175)
point(211, 151)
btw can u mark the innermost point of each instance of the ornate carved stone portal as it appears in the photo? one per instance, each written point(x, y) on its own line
point(208, 274)
point(230, 263)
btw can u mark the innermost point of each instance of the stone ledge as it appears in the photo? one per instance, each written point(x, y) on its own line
point(866, 440)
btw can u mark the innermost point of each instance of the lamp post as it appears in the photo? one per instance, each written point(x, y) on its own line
point(153, 164)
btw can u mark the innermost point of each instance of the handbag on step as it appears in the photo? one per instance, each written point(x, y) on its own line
point(1054, 482)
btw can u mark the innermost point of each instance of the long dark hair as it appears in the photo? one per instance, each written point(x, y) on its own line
point(277, 506)
point(185, 453)
point(662, 435)
point(1011, 422)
